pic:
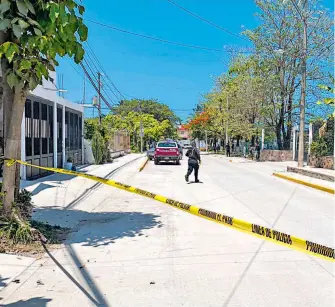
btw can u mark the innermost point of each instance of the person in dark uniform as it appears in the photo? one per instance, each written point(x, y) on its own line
point(228, 150)
point(258, 151)
point(193, 162)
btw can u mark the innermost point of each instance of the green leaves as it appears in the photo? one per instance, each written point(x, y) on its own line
point(30, 6)
point(39, 31)
point(22, 7)
point(9, 49)
point(81, 9)
point(79, 55)
point(12, 79)
point(326, 88)
point(4, 6)
point(23, 24)
point(17, 30)
point(4, 24)
point(54, 12)
point(83, 32)
point(25, 64)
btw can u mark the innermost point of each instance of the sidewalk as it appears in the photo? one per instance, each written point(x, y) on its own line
point(271, 168)
point(53, 197)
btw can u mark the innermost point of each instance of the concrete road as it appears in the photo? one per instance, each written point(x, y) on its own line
point(127, 250)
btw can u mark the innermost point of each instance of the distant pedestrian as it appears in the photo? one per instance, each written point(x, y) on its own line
point(232, 147)
point(228, 150)
point(258, 151)
point(218, 147)
point(194, 160)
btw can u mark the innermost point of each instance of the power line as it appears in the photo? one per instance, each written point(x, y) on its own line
point(97, 69)
point(156, 38)
point(102, 69)
point(207, 21)
point(95, 87)
point(77, 71)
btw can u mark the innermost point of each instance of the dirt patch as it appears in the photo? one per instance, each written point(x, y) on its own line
point(56, 235)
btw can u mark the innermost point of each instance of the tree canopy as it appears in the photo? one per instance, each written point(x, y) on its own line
point(159, 111)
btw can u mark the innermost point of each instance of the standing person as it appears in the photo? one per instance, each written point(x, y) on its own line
point(232, 147)
point(193, 162)
point(228, 150)
point(258, 151)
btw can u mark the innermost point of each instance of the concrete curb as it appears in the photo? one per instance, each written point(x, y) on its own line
point(143, 164)
point(308, 184)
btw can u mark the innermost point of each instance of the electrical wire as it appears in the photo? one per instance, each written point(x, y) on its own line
point(95, 87)
point(156, 38)
point(205, 20)
point(103, 70)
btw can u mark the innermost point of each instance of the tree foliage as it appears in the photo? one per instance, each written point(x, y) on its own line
point(159, 110)
point(32, 35)
point(36, 33)
point(263, 90)
point(98, 147)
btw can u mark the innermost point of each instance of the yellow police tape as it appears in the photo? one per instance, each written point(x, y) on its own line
point(272, 235)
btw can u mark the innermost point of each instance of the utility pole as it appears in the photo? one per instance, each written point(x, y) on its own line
point(303, 94)
point(99, 96)
point(227, 121)
point(303, 16)
point(141, 127)
point(84, 91)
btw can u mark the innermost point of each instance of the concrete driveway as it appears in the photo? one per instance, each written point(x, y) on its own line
point(127, 250)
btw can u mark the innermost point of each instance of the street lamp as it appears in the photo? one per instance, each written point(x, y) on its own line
point(303, 80)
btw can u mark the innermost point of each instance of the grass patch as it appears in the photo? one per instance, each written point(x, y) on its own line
point(19, 240)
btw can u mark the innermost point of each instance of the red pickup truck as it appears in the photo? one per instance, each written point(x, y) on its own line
point(167, 151)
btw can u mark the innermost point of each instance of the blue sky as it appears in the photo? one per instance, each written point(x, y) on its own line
point(176, 76)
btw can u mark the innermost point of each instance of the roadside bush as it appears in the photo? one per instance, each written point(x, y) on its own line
point(319, 148)
point(98, 147)
point(324, 144)
point(23, 204)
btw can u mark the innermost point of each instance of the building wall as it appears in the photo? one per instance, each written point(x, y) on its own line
point(183, 133)
point(276, 155)
point(49, 123)
point(42, 145)
point(322, 162)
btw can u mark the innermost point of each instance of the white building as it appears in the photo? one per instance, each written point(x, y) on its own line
point(52, 130)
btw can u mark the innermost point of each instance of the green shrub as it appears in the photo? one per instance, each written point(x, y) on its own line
point(15, 232)
point(319, 148)
point(98, 147)
point(23, 204)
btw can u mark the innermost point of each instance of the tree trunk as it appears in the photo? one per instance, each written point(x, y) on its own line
point(287, 139)
point(278, 135)
point(13, 147)
point(238, 141)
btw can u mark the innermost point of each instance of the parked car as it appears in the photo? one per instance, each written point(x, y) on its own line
point(151, 153)
point(167, 151)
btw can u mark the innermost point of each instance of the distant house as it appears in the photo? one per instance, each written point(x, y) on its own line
point(183, 133)
point(52, 130)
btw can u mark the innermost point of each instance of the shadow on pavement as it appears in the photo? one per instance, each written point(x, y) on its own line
point(2, 283)
point(41, 187)
point(32, 302)
point(98, 228)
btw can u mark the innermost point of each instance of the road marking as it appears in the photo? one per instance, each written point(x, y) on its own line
point(263, 232)
point(143, 164)
point(306, 183)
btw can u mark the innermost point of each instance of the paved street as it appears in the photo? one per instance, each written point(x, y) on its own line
point(126, 250)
